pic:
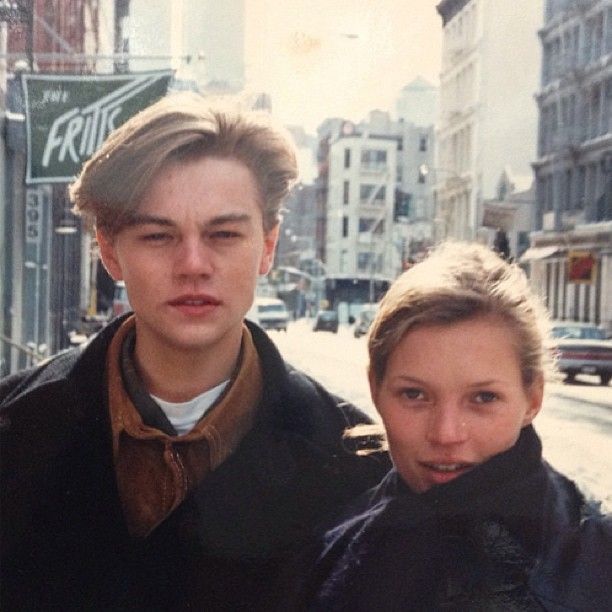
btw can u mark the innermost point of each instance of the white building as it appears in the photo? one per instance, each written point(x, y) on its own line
point(362, 180)
point(417, 103)
point(379, 211)
point(488, 116)
point(202, 39)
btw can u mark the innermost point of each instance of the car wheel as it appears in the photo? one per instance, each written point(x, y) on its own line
point(605, 379)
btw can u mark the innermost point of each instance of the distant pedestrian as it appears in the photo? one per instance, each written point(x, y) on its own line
point(471, 517)
point(175, 462)
point(501, 244)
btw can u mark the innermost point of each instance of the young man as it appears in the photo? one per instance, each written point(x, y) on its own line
point(176, 461)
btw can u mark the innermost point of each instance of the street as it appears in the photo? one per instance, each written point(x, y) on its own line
point(575, 423)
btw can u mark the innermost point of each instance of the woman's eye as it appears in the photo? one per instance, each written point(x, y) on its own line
point(412, 393)
point(485, 397)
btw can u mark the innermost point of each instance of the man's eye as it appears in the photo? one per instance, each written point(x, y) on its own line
point(156, 237)
point(225, 235)
point(485, 397)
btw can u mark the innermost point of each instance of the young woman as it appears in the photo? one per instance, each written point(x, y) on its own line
point(471, 517)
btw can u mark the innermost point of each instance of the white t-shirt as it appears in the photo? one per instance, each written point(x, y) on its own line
point(184, 415)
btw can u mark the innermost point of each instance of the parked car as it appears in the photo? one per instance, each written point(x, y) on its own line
point(364, 320)
point(582, 348)
point(326, 320)
point(269, 313)
point(121, 303)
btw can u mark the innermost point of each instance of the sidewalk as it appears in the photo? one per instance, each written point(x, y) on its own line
point(590, 393)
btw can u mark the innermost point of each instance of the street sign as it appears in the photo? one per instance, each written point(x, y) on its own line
point(68, 117)
point(581, 267)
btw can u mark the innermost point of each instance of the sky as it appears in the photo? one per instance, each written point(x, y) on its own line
point(333, 58)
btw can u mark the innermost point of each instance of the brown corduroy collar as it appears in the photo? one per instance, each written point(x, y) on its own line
point(155, 471)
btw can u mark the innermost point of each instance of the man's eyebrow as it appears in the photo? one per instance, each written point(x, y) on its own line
point(140, 219)
point(229, 218)
point(144, 219)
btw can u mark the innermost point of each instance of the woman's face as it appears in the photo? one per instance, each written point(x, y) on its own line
point(452, 397)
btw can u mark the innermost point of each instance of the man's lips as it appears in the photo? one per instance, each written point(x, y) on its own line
point(194, 301)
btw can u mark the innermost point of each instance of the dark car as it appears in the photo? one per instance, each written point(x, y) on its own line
point(582, 348)
point(326, 320)
point(364, 320)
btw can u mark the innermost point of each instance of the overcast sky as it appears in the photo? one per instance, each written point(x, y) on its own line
point(323, 58)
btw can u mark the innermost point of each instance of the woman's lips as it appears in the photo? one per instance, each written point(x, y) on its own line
point(440, 472)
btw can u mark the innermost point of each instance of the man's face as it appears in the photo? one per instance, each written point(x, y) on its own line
point(452, 397)
point(191, 258)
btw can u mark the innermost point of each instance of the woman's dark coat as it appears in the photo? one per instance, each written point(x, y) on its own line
point(64, 542)
point(512, 534)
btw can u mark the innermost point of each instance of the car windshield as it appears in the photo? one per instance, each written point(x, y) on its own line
point(578, 333)
point(327, 316)
point(271, 308)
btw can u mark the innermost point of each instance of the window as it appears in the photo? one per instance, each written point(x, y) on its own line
point(364, 261)
point(607, 111)
point(423, 143)
point(580, 187)
point(567, 190)
point(373, 159)
point(347, 158)
point(345, 195)
point(372, 194)
point(367, 224)
point(345, 227)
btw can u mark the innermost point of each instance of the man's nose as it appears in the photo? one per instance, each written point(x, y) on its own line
point(193, 258)
point(447, 424)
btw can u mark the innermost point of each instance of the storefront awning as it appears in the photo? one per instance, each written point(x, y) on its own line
point(539, 253)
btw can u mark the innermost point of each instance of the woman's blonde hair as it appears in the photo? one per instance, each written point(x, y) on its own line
point(456, 282)
point(182, 127)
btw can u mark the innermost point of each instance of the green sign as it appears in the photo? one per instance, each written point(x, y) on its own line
point(69, 117)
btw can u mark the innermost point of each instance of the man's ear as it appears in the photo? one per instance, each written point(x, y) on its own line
point(267, 257)
point(108, 254)
point(535, 395)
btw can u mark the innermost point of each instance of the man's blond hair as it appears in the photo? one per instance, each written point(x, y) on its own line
point(181, 128)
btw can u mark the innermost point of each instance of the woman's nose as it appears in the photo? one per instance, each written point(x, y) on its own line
point(447, 425)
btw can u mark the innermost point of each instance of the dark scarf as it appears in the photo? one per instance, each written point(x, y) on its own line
point(467, 545)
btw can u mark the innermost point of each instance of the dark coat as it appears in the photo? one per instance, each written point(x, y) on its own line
point(64, 541)
point(512, 534)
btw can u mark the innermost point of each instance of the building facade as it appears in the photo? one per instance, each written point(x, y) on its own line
point(44, 249)
point(417, 103)
point(574, 163)
point(377, 207)
point(203, 40)
point(488, 117)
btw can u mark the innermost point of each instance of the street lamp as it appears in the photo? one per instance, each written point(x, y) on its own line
point(66, 227)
